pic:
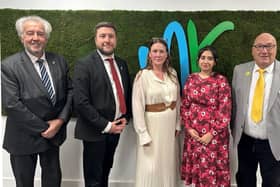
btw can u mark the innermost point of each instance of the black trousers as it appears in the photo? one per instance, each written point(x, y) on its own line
point(24, 168)
point(252, 152)
point(98, 160)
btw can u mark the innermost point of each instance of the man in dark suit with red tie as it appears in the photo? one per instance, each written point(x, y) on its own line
point(37, 97)
point(102, 100)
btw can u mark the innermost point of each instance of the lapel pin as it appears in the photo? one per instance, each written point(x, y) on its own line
point(53, 62)
point(247, 73)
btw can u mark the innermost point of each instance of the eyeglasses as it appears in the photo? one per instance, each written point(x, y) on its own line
point(262, 47)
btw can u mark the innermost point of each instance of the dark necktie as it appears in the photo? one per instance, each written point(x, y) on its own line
point(118, 86)
point(46, 80)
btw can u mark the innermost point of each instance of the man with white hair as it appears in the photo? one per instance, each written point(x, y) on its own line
point(37, 98)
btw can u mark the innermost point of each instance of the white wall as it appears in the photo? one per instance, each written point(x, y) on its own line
point(123, 172)
point(170, 5)
point(122, 175)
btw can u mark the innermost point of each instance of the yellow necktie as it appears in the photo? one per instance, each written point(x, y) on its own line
point(257, 105)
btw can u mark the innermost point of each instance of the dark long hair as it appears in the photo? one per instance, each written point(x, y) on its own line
point(211, 49)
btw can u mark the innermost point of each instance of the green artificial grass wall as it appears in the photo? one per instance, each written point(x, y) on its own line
point(73, 31)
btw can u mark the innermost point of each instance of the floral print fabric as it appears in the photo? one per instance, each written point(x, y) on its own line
point(206, 107)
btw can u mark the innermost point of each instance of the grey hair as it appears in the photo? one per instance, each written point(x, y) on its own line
point(20, 23)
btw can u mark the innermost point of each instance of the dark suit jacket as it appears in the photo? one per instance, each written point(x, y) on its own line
point(93, 96)
point(27, 104)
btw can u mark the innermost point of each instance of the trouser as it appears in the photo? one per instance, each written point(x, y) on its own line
point(24, 168)
point(252, 152)
point(98, 160)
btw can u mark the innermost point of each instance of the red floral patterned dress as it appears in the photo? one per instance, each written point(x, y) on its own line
point(206, 107)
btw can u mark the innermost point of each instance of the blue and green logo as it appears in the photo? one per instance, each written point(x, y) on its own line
point(188, 47)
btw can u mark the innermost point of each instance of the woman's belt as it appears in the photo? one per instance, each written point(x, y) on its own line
point(159, 107)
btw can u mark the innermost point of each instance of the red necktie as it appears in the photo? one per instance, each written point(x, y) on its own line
point(118, 85)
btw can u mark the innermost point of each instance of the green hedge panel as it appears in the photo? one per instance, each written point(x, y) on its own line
point(73, 31)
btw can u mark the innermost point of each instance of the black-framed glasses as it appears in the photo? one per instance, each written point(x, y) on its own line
point(262, 47)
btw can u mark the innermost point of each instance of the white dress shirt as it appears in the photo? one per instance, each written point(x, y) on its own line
point(36, 66)
point(252, 129)
point(108, 69)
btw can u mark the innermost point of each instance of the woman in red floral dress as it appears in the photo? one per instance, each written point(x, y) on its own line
point(205, 111)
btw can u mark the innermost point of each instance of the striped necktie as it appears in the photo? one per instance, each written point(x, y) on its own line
point(46, 80)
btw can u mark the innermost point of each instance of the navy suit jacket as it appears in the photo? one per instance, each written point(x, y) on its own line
point(93, 96)
point(28, 106)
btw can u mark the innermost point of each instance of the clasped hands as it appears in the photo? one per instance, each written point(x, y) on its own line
point(54, 126)
point(118, 126)
point(205, 139)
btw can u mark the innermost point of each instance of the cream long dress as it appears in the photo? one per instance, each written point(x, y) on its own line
point(157, 164)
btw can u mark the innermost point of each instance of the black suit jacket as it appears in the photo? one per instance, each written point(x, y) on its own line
point(93, 96)
point(27, 103)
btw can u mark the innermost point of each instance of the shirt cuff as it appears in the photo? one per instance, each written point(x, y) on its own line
point(108, 127)
point(144, 138)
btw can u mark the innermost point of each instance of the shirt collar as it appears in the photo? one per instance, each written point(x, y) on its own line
point(269, 69)
point(34, 58)
point(105, 57)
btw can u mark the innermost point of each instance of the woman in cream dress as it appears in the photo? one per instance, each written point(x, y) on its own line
point(156, 103)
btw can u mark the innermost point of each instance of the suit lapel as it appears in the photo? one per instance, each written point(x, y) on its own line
point(275, 86)
point(123, 76)
point(53, 69)
point(30, 69)
point(100, 66)
point(247, 81)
